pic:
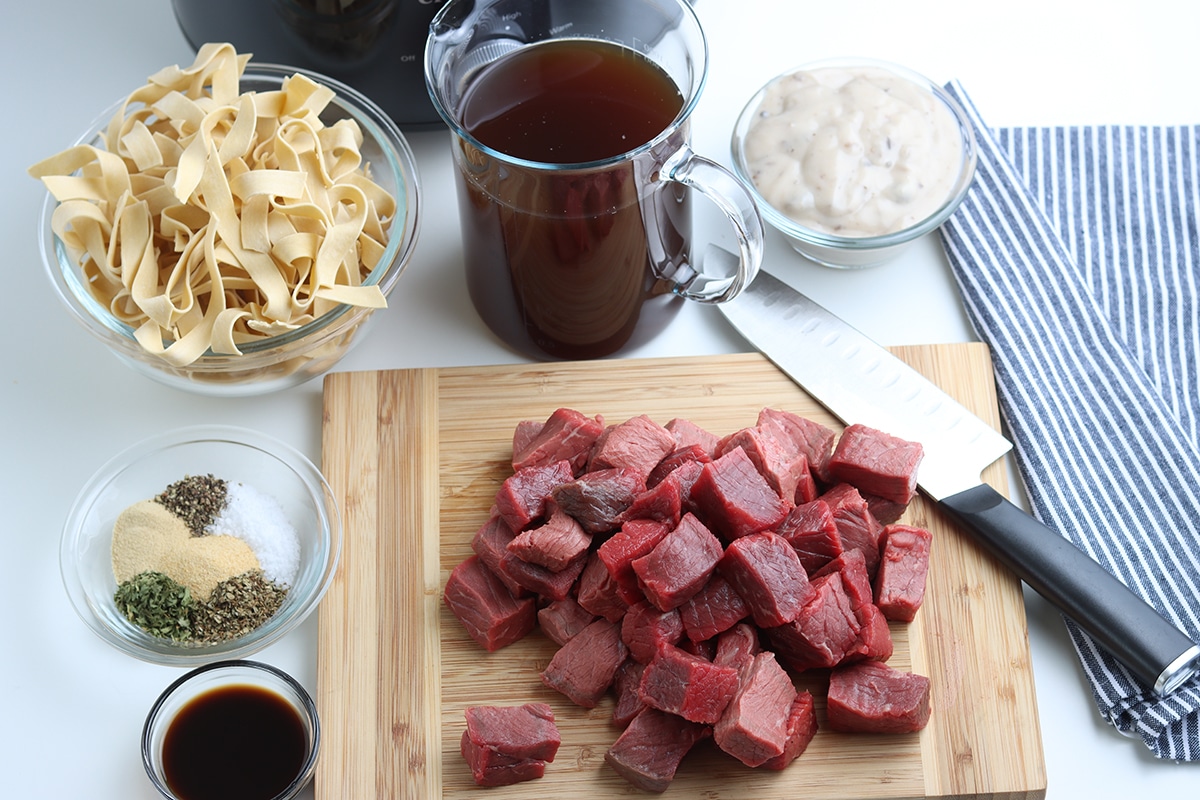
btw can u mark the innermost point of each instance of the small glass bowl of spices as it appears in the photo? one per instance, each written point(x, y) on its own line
point(201, 544)
point(232, 730)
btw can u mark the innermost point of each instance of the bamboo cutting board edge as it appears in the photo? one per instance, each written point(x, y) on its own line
point(389, 687)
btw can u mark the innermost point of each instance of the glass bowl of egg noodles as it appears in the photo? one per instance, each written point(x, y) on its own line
point(230, 228)
point(853, 159)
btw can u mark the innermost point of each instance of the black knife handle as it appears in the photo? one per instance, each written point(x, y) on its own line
point(1127, 626)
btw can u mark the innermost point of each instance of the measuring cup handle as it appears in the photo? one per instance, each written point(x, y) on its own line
point(732, 197)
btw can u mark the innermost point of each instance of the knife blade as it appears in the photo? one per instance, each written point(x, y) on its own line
point(859, 381)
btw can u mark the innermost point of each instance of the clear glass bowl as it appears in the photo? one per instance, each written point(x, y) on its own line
point(143, 471)
point(217, 676)
point(856, 252)
point(286, 360)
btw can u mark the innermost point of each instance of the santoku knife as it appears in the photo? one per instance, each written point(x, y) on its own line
point(859, 381)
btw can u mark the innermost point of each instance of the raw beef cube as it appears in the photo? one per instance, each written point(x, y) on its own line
point(485, 607)
point(554, 544)
point(735, 499)
point(567, 435)
point(903, 566)
point(562, 619)
point(663, 503)
point(508, 744)
point(875, 638)
point(598, 593)
point(636, 538)
point(852, 566)
point(537, 579)
point(596, 499)
point(625, 685)
point(856, 526)
point(490, 543)
point(525, 432)
point(686, 475)
point(637, 444)
point(872, 697)
point(688, 433)
point(679, 682)
point(813, 533)
point(754, 726)
point(884, 510)
point(737, 647)
point(773, 454)
point(706, 649)
point(812, 438)
point(715, 608)
point(522, 497)
point(877, 463)
point(767, 573)
point(801, 728)
point(824, 632)
point(692, 453)
point(648, 751)
point(584, 668)
point(644, 629)
point(679, 565)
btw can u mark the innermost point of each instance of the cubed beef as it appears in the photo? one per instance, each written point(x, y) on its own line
point(508, 744)
point(737, 646)
point(874, 636)
point(679, 565)
point(884, 510)
point(715, 608)
point(689, 454)
point(824, 632)
point(774, 455)
point(596, 499)
point(679, 682)
point(754, 726)
point(873, 697)
point(903, 566)
point(523, 434)
point(735, 499)
point(812, 438)
point(522, 497)
point(554, 544)
point(597, 592)
point(584, 667)
point(535, 578)
point(562, 619)
point(852, 566)
point(767, 573)
point(567, 435)
point(877, 463)
point(856, 526)
point(706, 649)
point(645, 628)
point(628, 703)
point(664, 503)
point(813, 533)
point(637, 444)
point(490, 543)
point(649, 750)
point(801, 728)
point(485, 607)
point(688, 433)
point(635, 539)
point(686, 474)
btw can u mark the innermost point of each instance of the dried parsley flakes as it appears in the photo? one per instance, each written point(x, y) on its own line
point(157, 605)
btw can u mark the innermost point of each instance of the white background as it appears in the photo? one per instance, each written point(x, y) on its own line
point(73, 707)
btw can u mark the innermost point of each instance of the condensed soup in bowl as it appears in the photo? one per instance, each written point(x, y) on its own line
point(852, 160)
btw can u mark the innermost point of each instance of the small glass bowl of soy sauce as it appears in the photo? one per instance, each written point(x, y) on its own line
point(232, 730)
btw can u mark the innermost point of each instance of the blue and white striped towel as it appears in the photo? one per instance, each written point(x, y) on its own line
point(1078, 257)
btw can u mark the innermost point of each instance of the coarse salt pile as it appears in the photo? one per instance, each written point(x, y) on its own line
point(258, 520)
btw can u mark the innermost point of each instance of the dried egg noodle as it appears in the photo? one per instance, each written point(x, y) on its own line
point(212, 218)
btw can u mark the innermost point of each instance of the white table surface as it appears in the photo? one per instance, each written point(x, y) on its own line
point(73, 707)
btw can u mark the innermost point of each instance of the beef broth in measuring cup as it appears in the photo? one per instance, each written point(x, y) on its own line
point(573, 170)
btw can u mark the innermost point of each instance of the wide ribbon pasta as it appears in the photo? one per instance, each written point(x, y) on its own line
point(210, 218)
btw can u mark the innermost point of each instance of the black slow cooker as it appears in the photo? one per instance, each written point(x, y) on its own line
point(376, 46)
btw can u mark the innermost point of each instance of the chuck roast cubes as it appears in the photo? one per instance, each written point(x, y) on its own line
point(690, 577)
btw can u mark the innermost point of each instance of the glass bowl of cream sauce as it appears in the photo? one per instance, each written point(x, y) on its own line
point(853, 159)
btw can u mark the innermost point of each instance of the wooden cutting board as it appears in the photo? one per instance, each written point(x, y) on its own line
point(414, 458)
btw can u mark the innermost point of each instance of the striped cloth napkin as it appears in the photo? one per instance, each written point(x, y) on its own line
point(1077, 254)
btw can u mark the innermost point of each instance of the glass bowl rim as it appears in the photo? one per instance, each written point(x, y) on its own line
point(162, 651)
point(400, 160)
point(794, 229)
